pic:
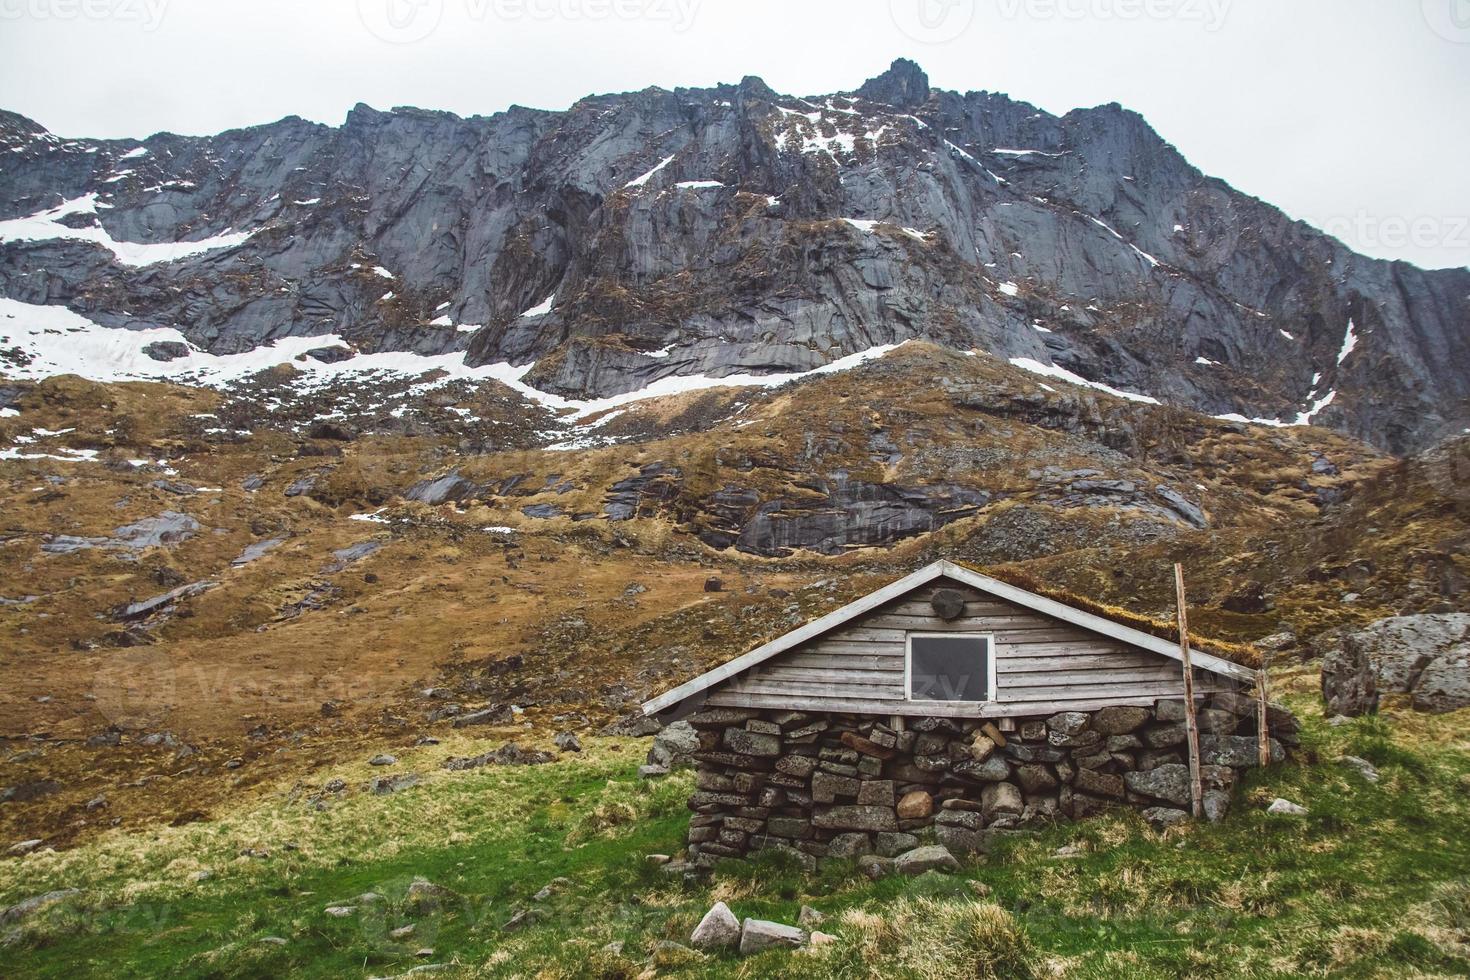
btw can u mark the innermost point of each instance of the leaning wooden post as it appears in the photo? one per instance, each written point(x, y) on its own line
point(1263, 731)
point(1196, 790)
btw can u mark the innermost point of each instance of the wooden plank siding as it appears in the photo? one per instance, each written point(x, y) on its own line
point(1043, 664)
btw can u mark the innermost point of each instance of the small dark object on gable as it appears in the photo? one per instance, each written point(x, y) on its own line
point(948, 603)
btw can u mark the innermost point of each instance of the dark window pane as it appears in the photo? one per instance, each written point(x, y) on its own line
point(949, 668)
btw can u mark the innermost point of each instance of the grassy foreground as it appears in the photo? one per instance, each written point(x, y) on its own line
point(1375, 881)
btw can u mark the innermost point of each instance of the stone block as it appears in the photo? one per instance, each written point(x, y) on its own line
point(867, 818)
point(1164, 736)
point(827, 787)
point(1067, 723)
point(876, 792)
point(992, 770)
point(744, 742)
point(961, 840)
point(1169, 711)
point(922, 859)
point(867, 747)
point(1169, 783)
point(1099, 783)
point(798, 766)
point(999, 798)
point(968, 819)
point(794, 828)
point(1035, 778)
point(712, 781)
point(749, 782)
point(850, 845)
point(915, 805)
point(891, 843)
point(1079, 740)
point(1120, 720)
point(721, 717)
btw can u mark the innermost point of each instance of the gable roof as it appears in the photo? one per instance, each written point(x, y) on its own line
point(946, 569)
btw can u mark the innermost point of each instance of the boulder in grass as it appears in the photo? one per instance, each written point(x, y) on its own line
point(30, 906)
point(761, 934)
point(718, 928)
point(1161, 817)
point(1283, 807)
point(874, 867)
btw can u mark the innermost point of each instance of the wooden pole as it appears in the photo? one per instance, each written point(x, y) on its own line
point(1191, 722)
point(1263, 730)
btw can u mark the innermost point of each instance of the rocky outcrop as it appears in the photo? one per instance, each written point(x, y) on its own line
point(1426, 657)
point(847, 786)
point(733, 230)
point(851, 514)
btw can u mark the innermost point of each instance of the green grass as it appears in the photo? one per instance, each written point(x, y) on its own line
point(1375, 881)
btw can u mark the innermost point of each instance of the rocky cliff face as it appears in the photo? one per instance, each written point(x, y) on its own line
point(735, 230)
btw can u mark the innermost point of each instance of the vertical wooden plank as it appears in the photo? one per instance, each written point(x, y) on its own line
point(1263, 730)
point(1196, 791)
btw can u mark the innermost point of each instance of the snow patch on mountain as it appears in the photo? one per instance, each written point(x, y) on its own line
point(52, 340)
point(47, 226)
point(1062, 374)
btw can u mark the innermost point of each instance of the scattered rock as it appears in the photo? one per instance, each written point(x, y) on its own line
point(1286, 808)
point(568, 742)
point(809, 918)
point(383, 760)
point(25, 847)
point(509, 754)
point(1365, 768)
point(1160, 817)
point(522, 918)
point(760, 934)
point(340, 911)
point(384, 785)
point(30, 906)
point(719, 927)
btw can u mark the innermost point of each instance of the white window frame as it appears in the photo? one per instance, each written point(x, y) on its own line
point(908, 664)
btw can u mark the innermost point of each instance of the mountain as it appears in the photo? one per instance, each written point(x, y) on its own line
point(728, 231)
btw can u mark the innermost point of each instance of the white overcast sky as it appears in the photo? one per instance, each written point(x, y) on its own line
point(1350, 114)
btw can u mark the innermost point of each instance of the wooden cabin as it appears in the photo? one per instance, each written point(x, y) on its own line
point(1000, 706)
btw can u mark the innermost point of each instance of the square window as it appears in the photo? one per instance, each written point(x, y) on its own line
point(950, 667)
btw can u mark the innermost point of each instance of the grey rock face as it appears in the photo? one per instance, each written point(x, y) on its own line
point(1425, 656)
point(1138, 264)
